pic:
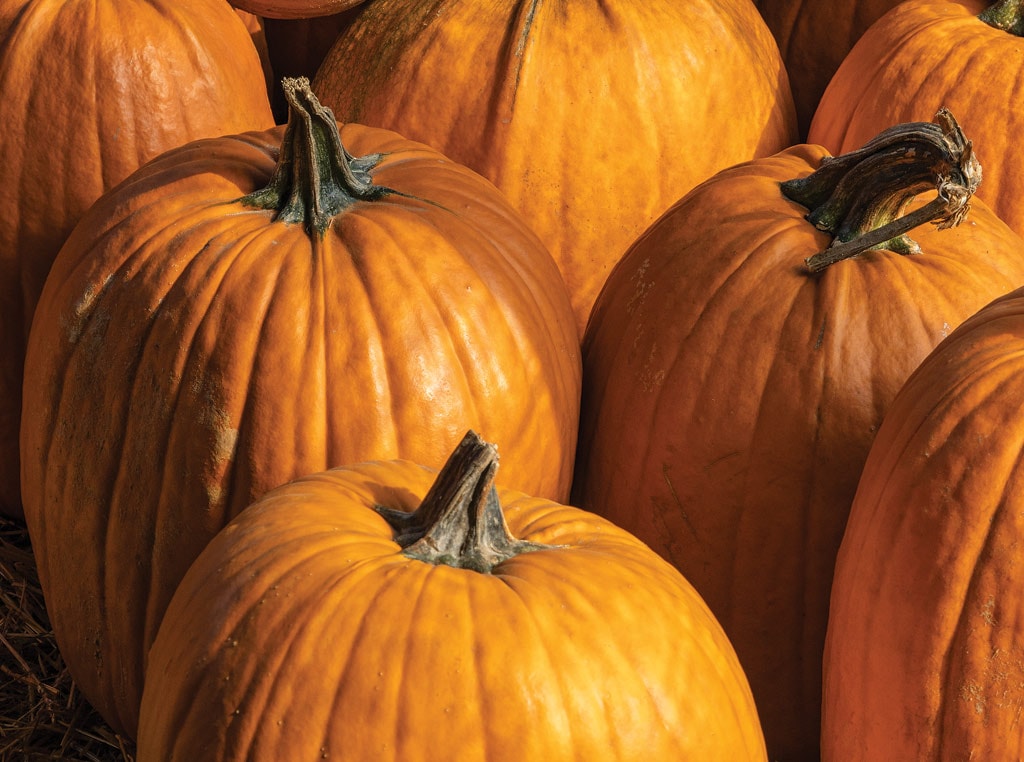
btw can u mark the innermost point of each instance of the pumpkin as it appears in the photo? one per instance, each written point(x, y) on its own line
point(582, 113)
point(259, 39)
point(294, 9)
point(91, 90)
point(814, 38)
point(248, 309)
point(383, 612)
point(922, 659)
point(740, 360)
point(965, 56)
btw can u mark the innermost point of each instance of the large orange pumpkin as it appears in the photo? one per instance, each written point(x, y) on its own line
point(967, 56)
point(90, 90)
point(245, 310)
point(589, 116)
point(923, 656)
point(731, 393)
point(380, 612)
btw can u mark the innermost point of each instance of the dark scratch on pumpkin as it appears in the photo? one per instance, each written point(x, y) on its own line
point(821, 336)
point(678, 502)
point(521, 48)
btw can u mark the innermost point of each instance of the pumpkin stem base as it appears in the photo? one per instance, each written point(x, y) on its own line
point(460, 522)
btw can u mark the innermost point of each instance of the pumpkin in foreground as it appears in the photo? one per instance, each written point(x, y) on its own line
point(923, 655)
point(249, 309)
point(734, 377)
point(388, 612)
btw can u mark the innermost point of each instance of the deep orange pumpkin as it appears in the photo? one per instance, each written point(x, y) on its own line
point(814, 38)
point(585, 114)
point(89, 91)
point(730, 395)
point(382, 612)
point(922, 659)
point(927, 54)
point(218, 325)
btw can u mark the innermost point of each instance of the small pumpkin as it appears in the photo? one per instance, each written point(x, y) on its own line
point(922, 659)
point(583, 113)
point(248, 309)
point(967, 56)
point(91, 90)
point(384, 611)
point(740, 359)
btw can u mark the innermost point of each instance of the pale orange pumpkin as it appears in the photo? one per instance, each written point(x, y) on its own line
point(590, 116)
point(386, 612)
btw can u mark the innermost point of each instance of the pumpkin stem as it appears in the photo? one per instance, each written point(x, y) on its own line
point(1007, 15)
point(460, 521)
point(858, 197)
point(316, 178)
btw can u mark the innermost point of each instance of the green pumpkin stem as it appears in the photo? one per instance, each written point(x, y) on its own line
point(316, 178)
point(1007, 15)
point(859, 197)
point(460, 521)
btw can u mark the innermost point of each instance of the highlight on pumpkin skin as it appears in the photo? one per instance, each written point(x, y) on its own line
point(901, 163)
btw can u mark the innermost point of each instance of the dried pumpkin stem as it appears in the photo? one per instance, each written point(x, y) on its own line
point(859, 197)
point(460, 521)
point(1007, 15)
point(316, 178)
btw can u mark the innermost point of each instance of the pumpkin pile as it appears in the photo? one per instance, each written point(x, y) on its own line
point(731, 286)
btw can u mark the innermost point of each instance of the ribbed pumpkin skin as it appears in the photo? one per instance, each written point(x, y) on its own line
point(301, 631)
point(583, 113)
point(189, 354)
point(89, 91)
point(922, 55)
point(730, 399)
point(922, 659)
point(814, 37)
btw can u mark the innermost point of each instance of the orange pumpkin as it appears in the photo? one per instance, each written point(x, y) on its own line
point(587, 115)
point(926, 54)
point(814, 38)
point(732, 390)
point(245, 310)
point(294, 9)
point(922, 659)
point(380, 612)
point(91, 90)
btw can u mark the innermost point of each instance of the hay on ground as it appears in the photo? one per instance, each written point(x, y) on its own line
point(42, 714)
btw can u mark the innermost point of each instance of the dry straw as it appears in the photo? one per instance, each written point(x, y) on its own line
point(42, 715)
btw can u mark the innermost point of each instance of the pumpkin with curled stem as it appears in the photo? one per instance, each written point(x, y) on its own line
point(922, 659)
point(90, 91)
point(385, 611)
point(583, 113)
point(248, 309)
point(738, 363)
point(967, 56)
